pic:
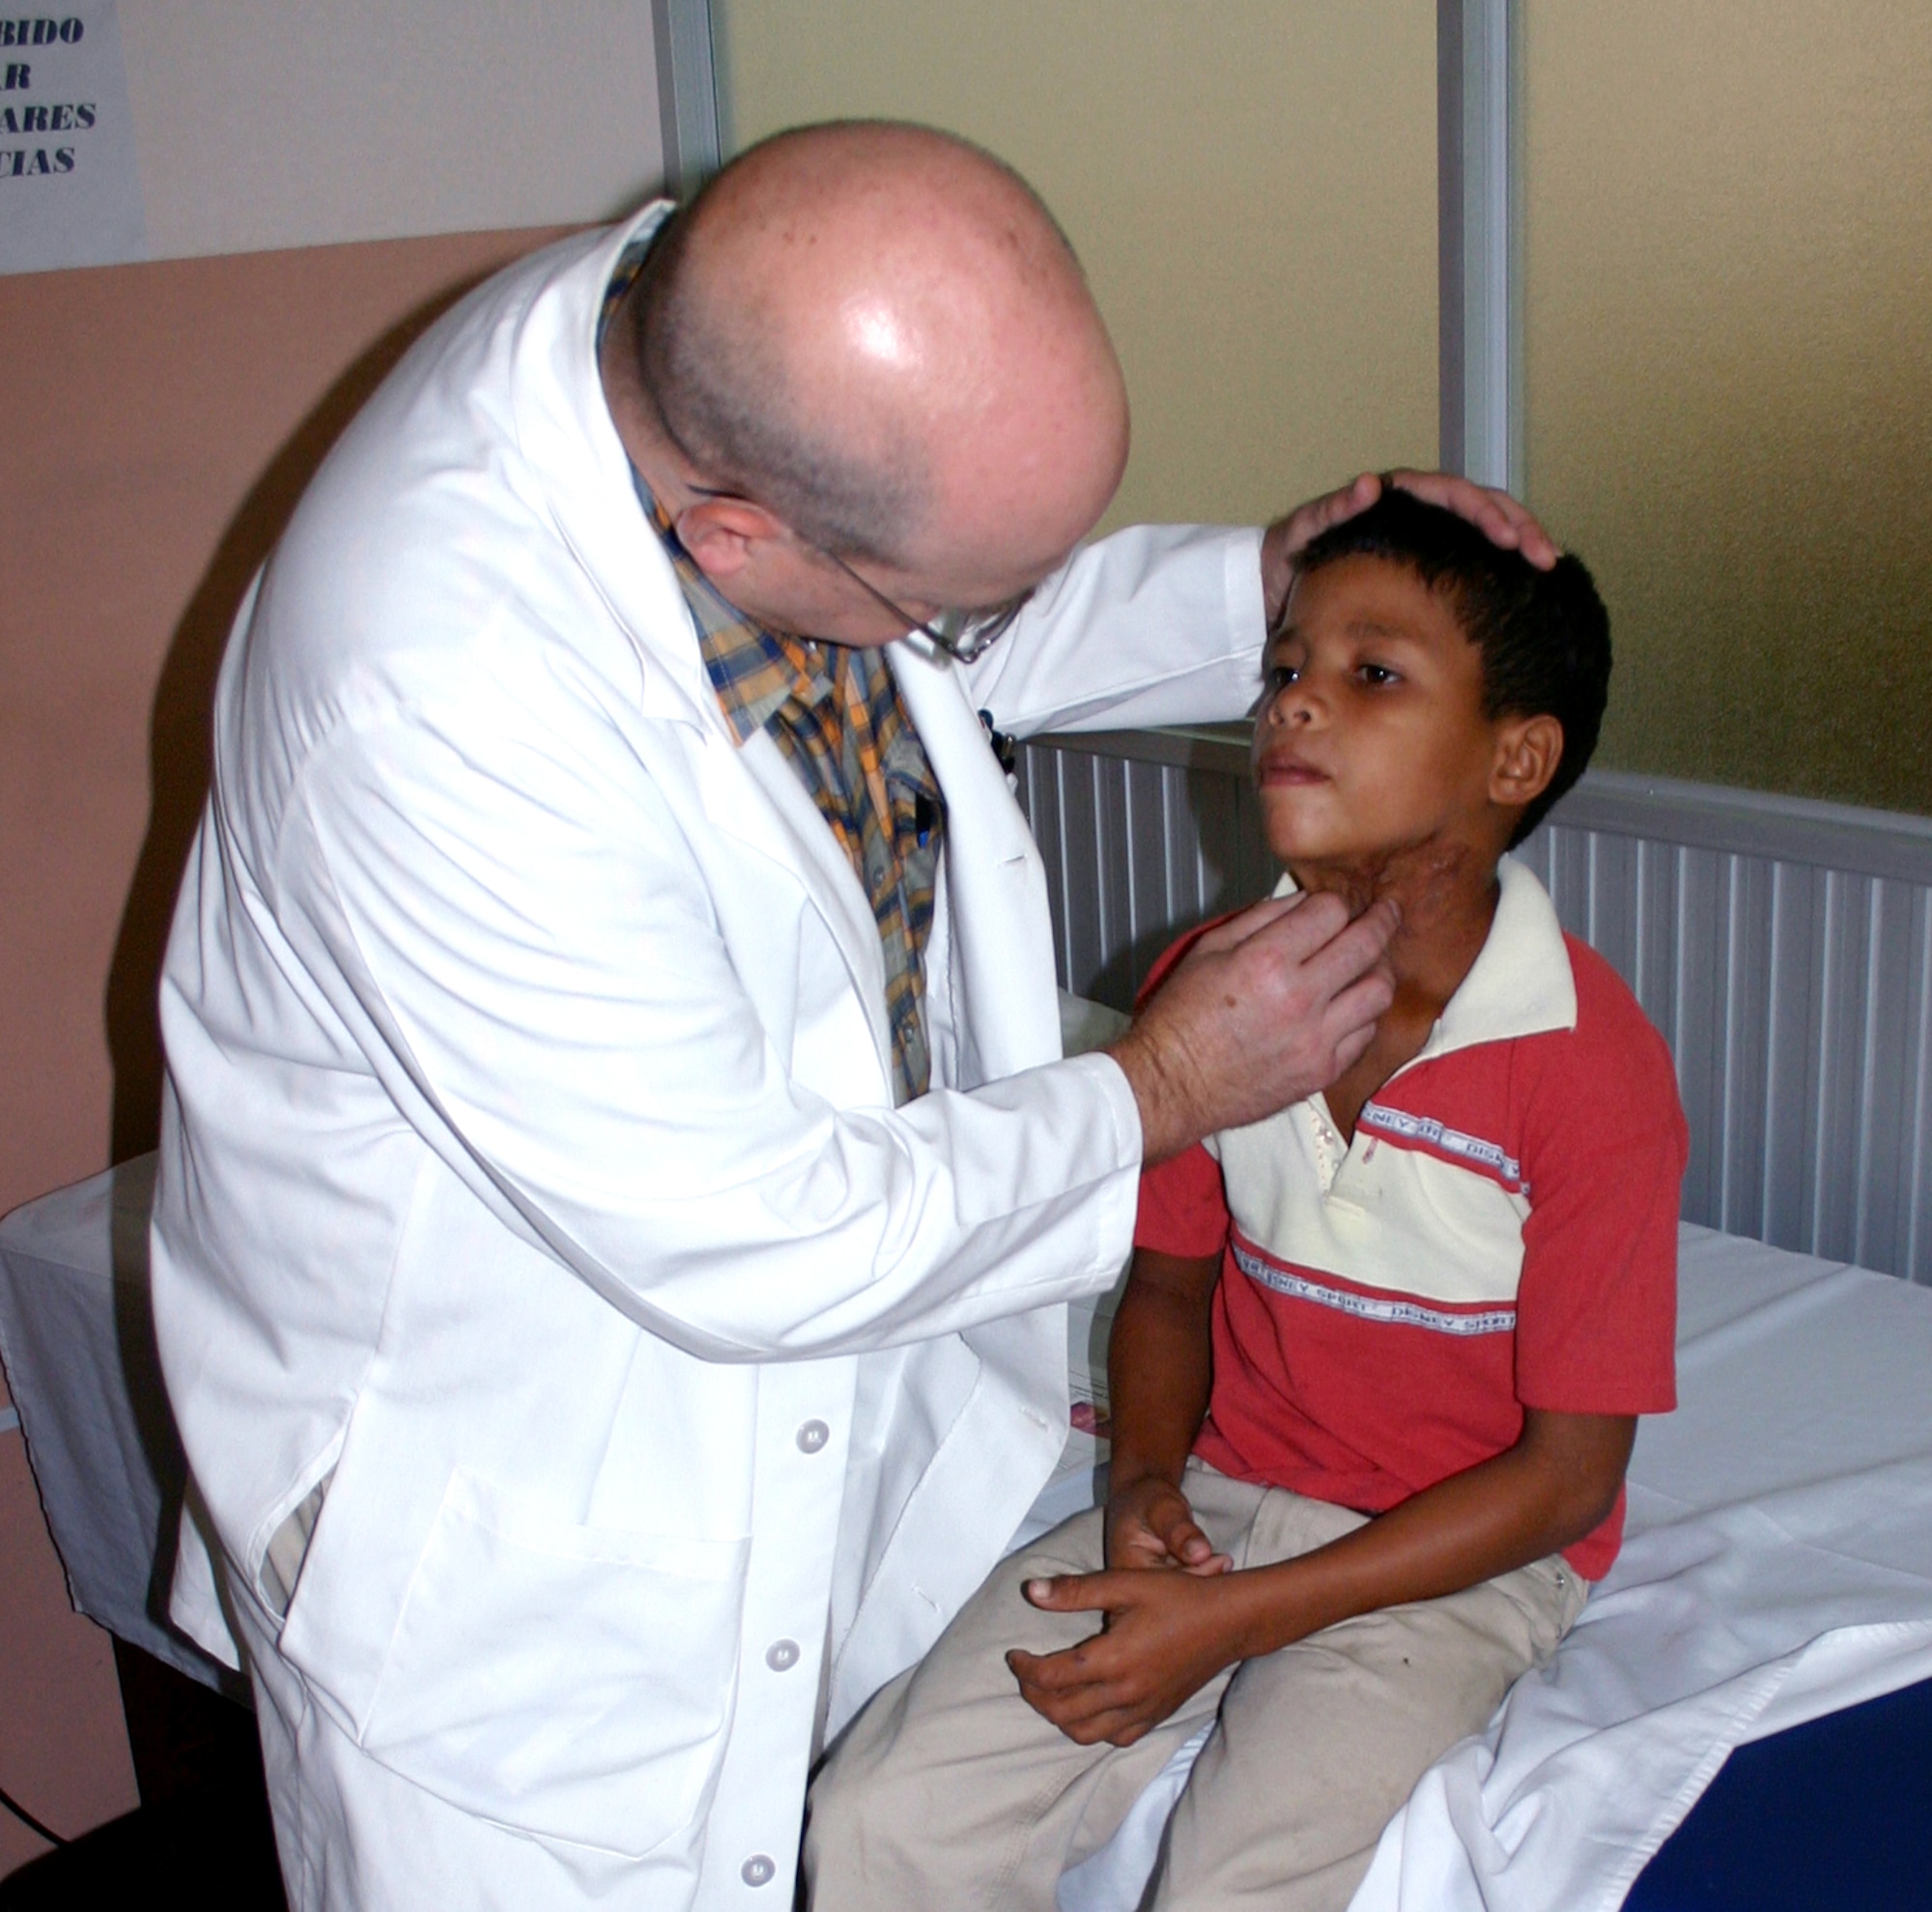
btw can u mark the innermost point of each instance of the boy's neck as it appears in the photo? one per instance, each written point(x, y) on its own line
point(1447, 894)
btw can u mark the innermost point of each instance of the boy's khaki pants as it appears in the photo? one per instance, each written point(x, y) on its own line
point(949, 1791)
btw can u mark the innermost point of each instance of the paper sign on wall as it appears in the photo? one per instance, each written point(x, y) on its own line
point(69, 181)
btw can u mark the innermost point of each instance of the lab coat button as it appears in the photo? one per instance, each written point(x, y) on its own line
point(812, 1436)
point(782, 1655)
point(757, 1870)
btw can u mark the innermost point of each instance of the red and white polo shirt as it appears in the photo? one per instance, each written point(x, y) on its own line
point(1502, 1233)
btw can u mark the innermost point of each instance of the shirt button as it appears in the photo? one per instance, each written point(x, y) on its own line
point(757, 1870)
point(812, 1436)
point(782, 1655)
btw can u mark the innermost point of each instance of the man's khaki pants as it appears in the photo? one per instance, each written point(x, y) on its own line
point(949, 1791)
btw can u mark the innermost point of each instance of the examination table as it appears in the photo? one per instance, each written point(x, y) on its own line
point(1768, 1627)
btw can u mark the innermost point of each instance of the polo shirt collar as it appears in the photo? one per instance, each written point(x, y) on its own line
point(1521, 983)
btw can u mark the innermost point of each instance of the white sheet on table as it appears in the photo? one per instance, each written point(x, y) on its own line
point(78, 1340)
point(1778, 1566)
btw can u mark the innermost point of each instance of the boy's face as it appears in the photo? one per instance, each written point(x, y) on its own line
point(1371, 738)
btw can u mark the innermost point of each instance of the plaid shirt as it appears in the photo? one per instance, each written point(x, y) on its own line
point(835, 711)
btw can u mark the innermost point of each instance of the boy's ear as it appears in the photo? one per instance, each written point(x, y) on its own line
point(1529, 750)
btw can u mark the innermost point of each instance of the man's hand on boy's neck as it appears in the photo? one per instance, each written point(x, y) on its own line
point(1261, 1011)
point(1447, 891)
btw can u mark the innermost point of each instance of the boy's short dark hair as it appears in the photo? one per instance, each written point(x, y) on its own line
point(1545, 635)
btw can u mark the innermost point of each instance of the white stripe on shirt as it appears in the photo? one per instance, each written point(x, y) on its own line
point(1407, 1127)
point(1366, 1307)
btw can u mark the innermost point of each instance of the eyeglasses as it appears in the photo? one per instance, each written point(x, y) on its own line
point(963, 635)
point(960, 634)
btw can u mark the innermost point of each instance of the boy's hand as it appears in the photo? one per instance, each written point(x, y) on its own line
point(1499, 517)
point(1150, 1525)
point(1167, 1635)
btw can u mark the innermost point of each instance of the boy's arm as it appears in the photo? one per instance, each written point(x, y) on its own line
point(1159, 1361)
point(1168, 1634)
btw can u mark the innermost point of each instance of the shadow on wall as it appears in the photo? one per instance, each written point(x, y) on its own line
point(180, 732)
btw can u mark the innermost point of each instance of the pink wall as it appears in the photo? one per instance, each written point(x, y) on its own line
point(161, 421)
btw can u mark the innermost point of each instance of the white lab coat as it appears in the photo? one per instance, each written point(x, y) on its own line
point(529, 1164)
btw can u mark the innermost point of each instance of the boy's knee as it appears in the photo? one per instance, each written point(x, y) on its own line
point(838, 1806)
point(850, 1814)
point(877, 1832)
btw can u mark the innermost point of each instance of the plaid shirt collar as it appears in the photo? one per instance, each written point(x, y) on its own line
point(755, 672)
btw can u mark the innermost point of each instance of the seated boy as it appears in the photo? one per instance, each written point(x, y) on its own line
point(1377, 1369)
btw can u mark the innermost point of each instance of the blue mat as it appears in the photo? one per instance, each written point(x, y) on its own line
point(1832, 1816)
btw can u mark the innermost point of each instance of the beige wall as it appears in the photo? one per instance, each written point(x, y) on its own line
point(1252, 185)
point(263, 124)
point(1729, 374)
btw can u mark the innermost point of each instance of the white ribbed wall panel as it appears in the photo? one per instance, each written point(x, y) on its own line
point(1784, 948)
point(1135, 850)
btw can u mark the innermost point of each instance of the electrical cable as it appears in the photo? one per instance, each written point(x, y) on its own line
point(28, 1820)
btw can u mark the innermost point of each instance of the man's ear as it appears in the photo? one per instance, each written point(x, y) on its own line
point(722, 534)
point(1529, 750)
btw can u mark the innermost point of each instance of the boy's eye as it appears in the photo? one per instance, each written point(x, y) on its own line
point(1376, 674)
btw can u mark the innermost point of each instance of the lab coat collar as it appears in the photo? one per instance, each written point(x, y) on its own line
point(999, 931)
point(566, 432)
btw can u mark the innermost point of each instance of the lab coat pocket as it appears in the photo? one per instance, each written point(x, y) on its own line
point(566, 1681)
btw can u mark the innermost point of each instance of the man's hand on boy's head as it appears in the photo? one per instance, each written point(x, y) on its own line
point(1495, 513)
point(1167, 1635)
point(1150, 1525)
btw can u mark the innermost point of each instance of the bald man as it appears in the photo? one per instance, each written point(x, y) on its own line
point(619, 1181)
